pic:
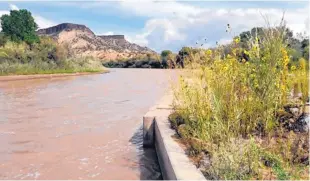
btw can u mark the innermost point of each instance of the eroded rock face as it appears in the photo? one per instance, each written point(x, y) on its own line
point(82, 41)
point(61, 27)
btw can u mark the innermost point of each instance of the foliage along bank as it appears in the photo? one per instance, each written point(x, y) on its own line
point(246, 117)
point(23, 52)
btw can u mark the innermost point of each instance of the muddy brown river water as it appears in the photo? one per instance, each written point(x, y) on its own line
point(81, 127)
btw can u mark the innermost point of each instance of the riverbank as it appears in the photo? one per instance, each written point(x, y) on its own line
point(47, 75)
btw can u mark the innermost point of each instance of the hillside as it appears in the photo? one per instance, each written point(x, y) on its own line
point(82, 41)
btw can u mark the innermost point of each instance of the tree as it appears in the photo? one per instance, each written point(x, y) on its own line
point(164, 54)
point(246, 35)
point(20, 26)
point(3, 39)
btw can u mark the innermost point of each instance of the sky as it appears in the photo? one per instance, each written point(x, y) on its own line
point(167, 24)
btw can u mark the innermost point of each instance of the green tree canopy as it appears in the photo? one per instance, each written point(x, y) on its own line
point(19, 26)
point(165, 53)
point(185, 51)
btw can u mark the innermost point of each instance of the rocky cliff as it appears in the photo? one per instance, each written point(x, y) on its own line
point(82, 41)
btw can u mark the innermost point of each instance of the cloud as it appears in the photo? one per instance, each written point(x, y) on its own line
point(139, 39)
point(173, 24)
point(108, 33)
point(13, 7)
point(168, 27)
point(159, 8)
point(41, 21)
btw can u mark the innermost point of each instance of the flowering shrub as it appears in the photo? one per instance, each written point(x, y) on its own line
point(227, 97)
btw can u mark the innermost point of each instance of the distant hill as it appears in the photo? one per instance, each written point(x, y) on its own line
point(82, 41)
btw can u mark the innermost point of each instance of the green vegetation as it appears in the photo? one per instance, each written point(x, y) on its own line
point(166, 60)
point(235, 108)
point(19, 26)
point(23, 52)
point(140, 61)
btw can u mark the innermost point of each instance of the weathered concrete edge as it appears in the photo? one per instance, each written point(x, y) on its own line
point(173, 161)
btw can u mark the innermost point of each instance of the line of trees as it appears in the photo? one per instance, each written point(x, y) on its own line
point(298, 48)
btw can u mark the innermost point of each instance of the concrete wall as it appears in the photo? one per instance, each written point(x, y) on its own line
point(173, 161)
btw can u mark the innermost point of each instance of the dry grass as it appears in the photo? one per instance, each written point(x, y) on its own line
point(231, 106)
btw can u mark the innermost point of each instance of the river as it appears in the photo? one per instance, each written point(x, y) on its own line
point(80, 127)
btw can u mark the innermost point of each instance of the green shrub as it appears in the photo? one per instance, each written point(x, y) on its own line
point(225, 101)
point(43, 57)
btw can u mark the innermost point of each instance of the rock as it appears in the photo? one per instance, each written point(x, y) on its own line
point(291, 121)
point(145, 66)
point(82, 41)
point(182, 131)
point(305, 159)
point(295, 111)
point(302, 124)
point(204, 162)
point(304, 119)
point(197, 146)
point(176, 119)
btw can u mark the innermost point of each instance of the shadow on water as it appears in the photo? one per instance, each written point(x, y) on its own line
point(148, 162)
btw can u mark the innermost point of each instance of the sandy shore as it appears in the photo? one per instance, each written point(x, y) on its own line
point(44, 76)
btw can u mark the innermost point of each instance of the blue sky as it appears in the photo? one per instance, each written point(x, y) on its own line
point(166, 24)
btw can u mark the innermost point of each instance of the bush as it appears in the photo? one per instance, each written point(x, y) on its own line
point(43, 57)
point(227, 100)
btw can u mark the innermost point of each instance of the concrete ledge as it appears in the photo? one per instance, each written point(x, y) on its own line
point(173, 161)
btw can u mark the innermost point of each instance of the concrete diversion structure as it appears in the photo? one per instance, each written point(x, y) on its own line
point(173, 161)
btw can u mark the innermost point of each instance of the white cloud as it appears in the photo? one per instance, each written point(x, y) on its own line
point(139, 39)
point(172, 25)
point(2, 12)
point(108, 33)
point(41, 21)
point(13, 7)
point(159, 8)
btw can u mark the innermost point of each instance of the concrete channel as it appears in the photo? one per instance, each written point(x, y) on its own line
point(173, 161)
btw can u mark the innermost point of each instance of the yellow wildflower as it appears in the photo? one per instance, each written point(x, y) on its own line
point(293, 68)
point(283, 87)
point(209, 52)
point(256, 39)
point(285, 57)
point(277, 84)
point(237, 40)
point(256, 85)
